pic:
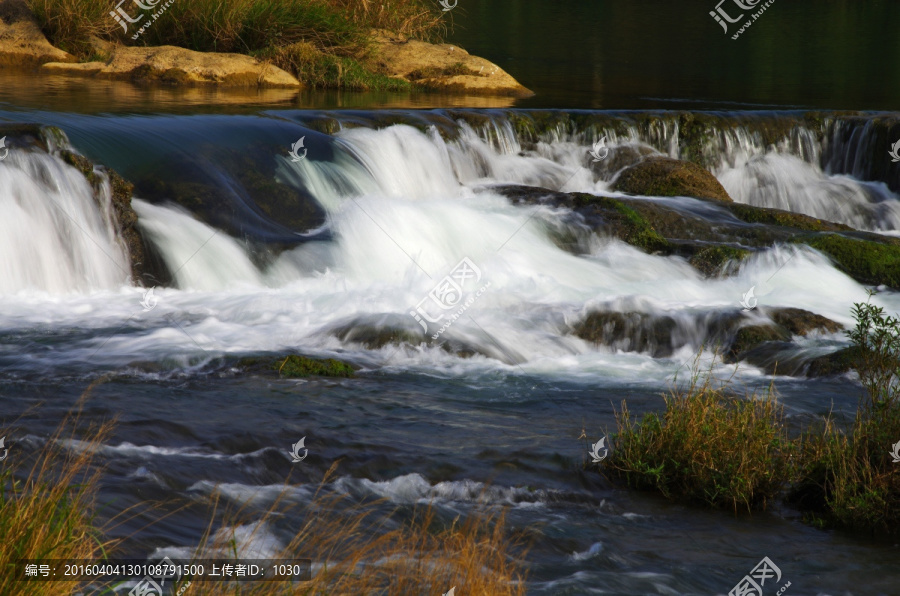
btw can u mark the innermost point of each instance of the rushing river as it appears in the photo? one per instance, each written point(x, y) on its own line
point(391, 206)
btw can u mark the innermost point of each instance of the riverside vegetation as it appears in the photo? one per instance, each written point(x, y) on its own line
point(49, 510)
point(714, 448)
point(325, 43)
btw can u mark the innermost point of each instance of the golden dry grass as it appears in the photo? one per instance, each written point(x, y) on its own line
point(46, 509)
point(358, 548)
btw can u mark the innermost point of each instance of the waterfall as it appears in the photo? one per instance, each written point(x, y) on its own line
point(406, 206)
point(54, 237)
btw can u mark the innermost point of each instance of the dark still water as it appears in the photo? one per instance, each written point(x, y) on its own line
point(617, 54)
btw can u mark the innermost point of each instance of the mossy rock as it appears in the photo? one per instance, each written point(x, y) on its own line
point(788, 219)
point(629, 225)
point(836, 363)
point(666, 177)
point(803, 322)
point(629, 331)
point(751, 336)
point(301, 366)
point(716, 261)
point(374, 337)
point(863, 260)
point(147, 269)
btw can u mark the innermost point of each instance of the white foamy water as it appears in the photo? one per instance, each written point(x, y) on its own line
point(54, 237)
point(404, 211)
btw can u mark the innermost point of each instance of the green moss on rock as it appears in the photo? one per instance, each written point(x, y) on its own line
point(665, 177)
point(836, 363)
point(788, 219)
point(633, 228)
point(865, 261)
point(121, 192)
point(715, 260)
point(802, 322)
point(302, 366)
point(752, 336)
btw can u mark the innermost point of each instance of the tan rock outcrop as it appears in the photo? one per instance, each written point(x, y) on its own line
point(442, 67)
point(180, 66)
point(23, 45)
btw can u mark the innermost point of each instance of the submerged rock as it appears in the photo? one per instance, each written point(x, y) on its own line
point(629, 332)
point(835, 363)
point(718, 261)
point(751, 337)
point(302, 366)
point(666, 177)
point(770, 346)
point(716, 242)
point(392, 331)
point(802, 322)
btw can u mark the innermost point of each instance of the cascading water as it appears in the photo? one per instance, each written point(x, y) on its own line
point(54, 237)
point(405, 207)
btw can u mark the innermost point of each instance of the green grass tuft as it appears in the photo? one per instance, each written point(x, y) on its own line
point(708, 447)
point(301, 366)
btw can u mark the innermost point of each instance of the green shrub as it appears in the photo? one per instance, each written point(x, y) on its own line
point(851, 480)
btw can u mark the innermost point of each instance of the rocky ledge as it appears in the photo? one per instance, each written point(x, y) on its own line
point(438, 67)
point(178, 66)
point(441, 67)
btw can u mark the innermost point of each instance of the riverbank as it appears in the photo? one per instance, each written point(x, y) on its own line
point(316, 44)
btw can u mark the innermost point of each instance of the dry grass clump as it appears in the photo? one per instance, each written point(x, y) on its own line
point(340, 27)
point(47, 509)
point(707, 447)
point(356, 548)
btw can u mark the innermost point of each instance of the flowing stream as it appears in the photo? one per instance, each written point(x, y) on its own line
point(391, 209)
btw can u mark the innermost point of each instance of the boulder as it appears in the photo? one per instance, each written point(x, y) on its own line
point(23, 45)
point(178, 66)
point(629, 332)
point(802, 322)
point(751, 336)
point(619, 158)
point(718, 261)
point(761, 344)
point(666, 177)
point(835, 363)
point(442, 67)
